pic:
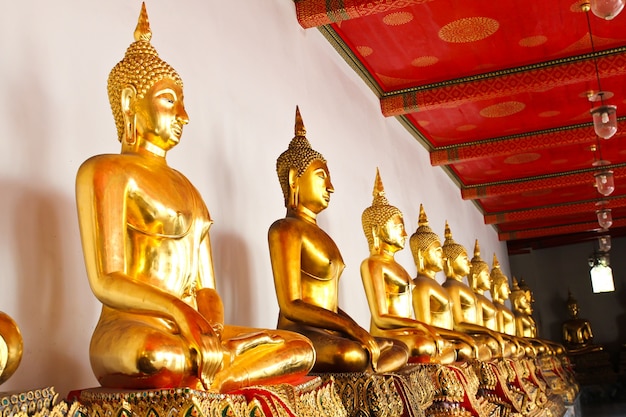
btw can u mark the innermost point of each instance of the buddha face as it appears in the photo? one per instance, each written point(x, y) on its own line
point(461, 264)
point(393, 232)
point(314, 187)
point(573, 310)
point(160, 114)
point(501, 291)
point(482, 279)
point(433, 257)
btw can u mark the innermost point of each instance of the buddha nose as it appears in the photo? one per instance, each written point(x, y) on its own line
point(182, 116)
point(329, 186)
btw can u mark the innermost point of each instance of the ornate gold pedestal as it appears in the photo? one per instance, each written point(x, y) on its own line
point(309, 399)
point(42, 401)
point(405, 393)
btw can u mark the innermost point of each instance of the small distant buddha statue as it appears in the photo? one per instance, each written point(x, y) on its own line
point(11, 347)
point(500, 292)
point(525, 325)
point(464, 301)
point(553, 347)
point(480, 281)
point(388, 285)
point(577, 334)
point(431, 302)
point(307, 265)
point(145, 236)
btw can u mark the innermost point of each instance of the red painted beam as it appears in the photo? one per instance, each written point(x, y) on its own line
point(511, 145)
point(502, 84)
point(312, 13)
point(479, 191)
point(557, 230)
point(551, 211)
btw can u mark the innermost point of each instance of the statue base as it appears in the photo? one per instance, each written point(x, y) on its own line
point(311, 398)
point(29, 403)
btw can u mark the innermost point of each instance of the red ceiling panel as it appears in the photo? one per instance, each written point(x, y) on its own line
point(497, 92)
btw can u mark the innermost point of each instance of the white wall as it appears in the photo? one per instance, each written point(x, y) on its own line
point(245, 64)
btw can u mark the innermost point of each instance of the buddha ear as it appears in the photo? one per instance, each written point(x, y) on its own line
point(127, 100)
point(293, 188)
point(420, 260)
point(375, 238)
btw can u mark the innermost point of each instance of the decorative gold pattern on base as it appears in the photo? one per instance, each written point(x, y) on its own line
point(310, 399)
point(27, 402)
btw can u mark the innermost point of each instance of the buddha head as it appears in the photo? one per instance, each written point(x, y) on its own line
point(478, 277)
point(529, 293)
point(382, 222)
point(457, 263)
point(143, 88)
point(519, 299)
point(426, 246)
point(303, 174)
point(500, 290)
point(572, 306)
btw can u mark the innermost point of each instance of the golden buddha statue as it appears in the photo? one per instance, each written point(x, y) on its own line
point(11, 347)
point(552, 347)
point(307, 266)
point(488, 314)
point(431, 302)
point(479, 281)
point(525, 325)
point(464, 301)
point(577, 334)
point(500, 292)
point(388, 285)
point(145, 236)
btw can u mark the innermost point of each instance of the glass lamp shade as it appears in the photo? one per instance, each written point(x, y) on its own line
point(605, 219)
point(605, 120)
point(605, 183)
point(606, 9)
point(602, 278)
point(604, 243)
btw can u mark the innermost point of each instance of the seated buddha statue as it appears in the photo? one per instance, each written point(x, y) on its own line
point(577, 334)
point(487, 313)
point(431, 302)
point(554, 348)
point(525, 325)
point(505, 319)
point(11, 347)
point(464, 301)
point(388, 285)
point(307, 265)
point(145, 236)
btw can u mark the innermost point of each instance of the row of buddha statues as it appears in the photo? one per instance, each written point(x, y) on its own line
point(145, 236)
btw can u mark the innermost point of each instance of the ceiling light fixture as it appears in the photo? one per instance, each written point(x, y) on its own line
point(604, 115)
point(605, 183)
point(605, 218)
point(606, 9)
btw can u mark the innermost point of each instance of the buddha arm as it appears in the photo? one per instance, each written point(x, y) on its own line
point(460, 322)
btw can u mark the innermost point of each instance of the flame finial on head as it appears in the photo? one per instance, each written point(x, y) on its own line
point(142, 31)
point(299, 129)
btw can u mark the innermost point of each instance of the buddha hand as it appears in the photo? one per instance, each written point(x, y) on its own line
point(204, 343)
point(239, 344)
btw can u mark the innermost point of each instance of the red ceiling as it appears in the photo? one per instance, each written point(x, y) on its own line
point(497, 93)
